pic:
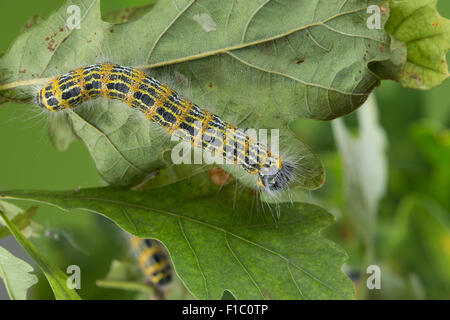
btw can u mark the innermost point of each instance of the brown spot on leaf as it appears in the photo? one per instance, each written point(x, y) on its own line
point(414, 76)
point(219, 176)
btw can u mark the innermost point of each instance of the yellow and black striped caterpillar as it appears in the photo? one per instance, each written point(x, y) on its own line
point(153, 260)
point(176, 114)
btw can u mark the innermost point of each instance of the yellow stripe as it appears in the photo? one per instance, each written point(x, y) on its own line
point(162, 95)
point(146, 254)
point(157, 266)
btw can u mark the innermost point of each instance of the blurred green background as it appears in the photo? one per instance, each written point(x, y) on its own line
point(412, 243)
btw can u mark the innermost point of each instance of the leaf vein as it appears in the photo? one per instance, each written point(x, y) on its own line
point(294, 78)
point(242, 265)
point(69, 33)
point(180, 13)
point(426, 67)
point(352, 35)
point(195, 256)
point(293, 279)
point(252, 16)
point(410, 15)
point(200, 55)
point(177, 215)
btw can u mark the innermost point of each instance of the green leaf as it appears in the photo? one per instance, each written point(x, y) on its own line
point(434, 145)
point(16, 275)
point(123, 270)
point(126, 148)
point(227, 296)
point(22, 220)
point(10, 209)
point(125, 275)
point(218, 244)
point(123, 15)
point(392, 68)
point(60, 131)
point(420, 241)
point(34, 20)
point(56, 278)
point(261, 64)
point(426, 34)
point(365, 166)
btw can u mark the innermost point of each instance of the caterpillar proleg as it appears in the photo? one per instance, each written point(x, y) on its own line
point(176, 114)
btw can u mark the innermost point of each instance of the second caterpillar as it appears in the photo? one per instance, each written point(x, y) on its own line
point(153, 260)
point(176, 114)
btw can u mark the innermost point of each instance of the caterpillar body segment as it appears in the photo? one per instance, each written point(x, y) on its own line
point(153, 260)
point(176, 114)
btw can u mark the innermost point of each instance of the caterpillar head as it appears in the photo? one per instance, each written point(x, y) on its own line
point(60, 93)
point(48, 99)
point(277, 179)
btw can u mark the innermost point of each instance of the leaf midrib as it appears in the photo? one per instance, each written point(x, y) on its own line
point(244, 45)
point(224, 50)
point(196, 257)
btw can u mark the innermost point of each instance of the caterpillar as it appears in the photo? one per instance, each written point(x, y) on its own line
point(176, 114)
point(153, 260)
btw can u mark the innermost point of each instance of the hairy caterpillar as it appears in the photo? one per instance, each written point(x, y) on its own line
point(176, 114)
point(153, 260)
